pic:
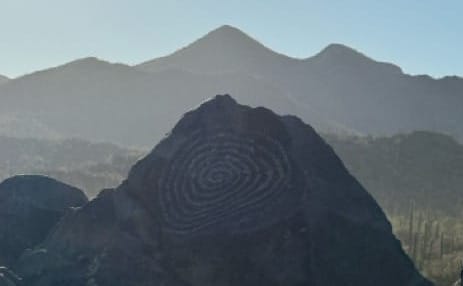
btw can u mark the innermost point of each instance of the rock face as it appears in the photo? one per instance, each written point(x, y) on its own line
point(8, 278)
point(232, 196)
point(29, 208)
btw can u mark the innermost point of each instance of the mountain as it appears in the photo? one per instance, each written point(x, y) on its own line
point(232, 196)
point(229, 50)
point(100, 101)
point(339, 90)
point(30, 206)
point(224, 50)
point(350, 88)
point(420, 168)
point(3, 79)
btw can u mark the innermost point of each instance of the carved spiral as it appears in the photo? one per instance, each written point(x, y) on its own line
point(223, 181)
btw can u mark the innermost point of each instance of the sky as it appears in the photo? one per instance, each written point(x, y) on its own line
point(421, 36)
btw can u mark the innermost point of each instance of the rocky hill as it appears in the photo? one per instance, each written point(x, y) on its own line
point(232, 196)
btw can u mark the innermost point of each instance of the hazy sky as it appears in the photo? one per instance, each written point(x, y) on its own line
point(422, 36)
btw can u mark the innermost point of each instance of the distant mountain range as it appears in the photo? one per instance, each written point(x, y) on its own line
point(339, 90)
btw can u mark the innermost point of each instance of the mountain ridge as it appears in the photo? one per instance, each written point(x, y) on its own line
point(365, 95)
point(233, 40)
point(234, 32)
point(231, 32)
point(79, 65)
point(338, 89)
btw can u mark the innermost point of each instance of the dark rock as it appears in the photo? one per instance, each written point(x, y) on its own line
point(233, 196)
point(9, 278)
point(29, 208)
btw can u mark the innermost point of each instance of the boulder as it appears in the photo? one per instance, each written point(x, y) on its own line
point(30, 206)
point(233, 196)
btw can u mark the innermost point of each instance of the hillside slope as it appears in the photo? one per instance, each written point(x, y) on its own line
point(422, 168)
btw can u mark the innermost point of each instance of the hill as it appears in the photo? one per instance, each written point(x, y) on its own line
point(422, 168)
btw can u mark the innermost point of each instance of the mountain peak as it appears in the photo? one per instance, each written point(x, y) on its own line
point(339, 54)
point(88, 61)
point(81, 66)
point(226, 40)
point(225, 49)
point(228, 29)
point(229, 33)
point(340, 51)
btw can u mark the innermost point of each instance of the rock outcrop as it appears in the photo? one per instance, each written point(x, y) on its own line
point(8, 277)
point(232, 196)
point(30, 206)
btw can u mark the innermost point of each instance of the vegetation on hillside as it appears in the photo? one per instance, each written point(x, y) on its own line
point(418, 180)
point(88, 166)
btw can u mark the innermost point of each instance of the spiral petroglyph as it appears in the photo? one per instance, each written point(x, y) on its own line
point(225, 180)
